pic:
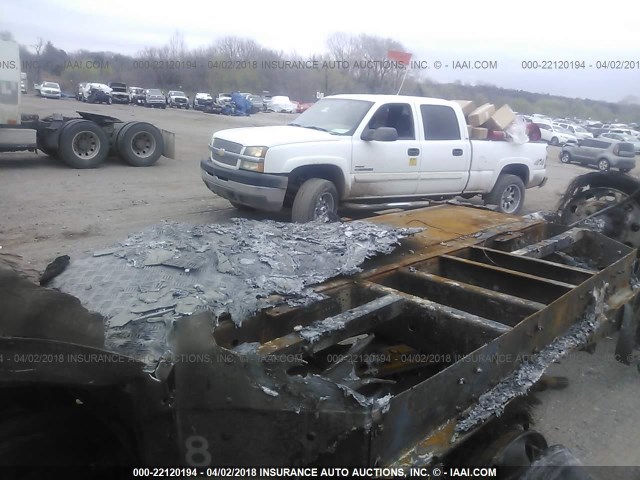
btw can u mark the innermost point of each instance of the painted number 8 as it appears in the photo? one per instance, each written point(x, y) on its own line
point(197, 451)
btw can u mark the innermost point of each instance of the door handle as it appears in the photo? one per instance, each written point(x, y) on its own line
point(457, 152)
point(412, 152)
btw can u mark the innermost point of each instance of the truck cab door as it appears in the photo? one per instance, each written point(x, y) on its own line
point(446, 156)
point(386, 168)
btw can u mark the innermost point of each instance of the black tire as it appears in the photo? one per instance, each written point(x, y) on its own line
point(565, 157)
point(83, 144)
point(604, 165)
point(554, 141)
point(593, 191)
point(508, 194)
point(140, 144)
point(164, 106)
point(315, 197)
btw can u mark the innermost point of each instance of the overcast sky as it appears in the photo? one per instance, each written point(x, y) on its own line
point(508, 32)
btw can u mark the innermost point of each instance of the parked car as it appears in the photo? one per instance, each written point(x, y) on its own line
point(623, 138)
point(281, 104)
point(555, 135)
point(177, 98)
point(136, 95)
point(266, 98)
point(153, 97)
point(223, 99)
point(202, 101)
point(256, 103)
point(605, 153)
point(119, 93)
point(578, 131)
point(97, 93)
point(624, 131)
point(88, 88)
point(50, 90)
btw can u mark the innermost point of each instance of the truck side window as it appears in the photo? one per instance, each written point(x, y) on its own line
point(440, 122)
point(395, 115)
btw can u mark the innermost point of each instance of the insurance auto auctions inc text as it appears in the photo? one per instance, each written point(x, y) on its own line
point(368, 472)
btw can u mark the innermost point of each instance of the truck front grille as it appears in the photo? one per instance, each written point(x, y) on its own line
point(230, 147)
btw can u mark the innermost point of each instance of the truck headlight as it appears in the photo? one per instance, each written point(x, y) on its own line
point(258, 152)
point(257, 166)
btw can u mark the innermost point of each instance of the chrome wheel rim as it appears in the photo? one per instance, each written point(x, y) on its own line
point(511, 198)
point(324, 205)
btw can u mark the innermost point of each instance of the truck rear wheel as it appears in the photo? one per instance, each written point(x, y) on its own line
point(83, 144)
point(140, 144)
point(315, 199)
point(507, 194)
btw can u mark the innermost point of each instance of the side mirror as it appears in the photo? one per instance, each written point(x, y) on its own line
point(385, 134)
point(380, 134)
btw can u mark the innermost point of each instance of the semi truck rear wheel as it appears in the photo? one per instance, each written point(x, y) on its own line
point(83, 144)
point(140, 144)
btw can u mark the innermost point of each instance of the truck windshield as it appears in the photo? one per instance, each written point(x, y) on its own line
point(334, 115)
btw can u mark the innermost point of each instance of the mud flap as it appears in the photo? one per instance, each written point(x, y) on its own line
point(627, 336)
point(169, 139)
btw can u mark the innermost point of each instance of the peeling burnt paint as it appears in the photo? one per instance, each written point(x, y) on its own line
point(529, 372)
point(173, 270)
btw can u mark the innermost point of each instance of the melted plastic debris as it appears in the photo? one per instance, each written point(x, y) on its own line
point(174, 270)
point(528, 373)
point(268, 391)
point(315, 331)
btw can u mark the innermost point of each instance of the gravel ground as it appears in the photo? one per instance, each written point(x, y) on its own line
point(49, 209)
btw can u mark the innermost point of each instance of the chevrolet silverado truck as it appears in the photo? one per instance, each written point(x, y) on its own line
point(361, 150)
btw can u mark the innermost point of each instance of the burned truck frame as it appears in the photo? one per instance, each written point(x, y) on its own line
point(402, 364)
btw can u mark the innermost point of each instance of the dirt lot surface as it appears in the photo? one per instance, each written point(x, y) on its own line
point(49, 209)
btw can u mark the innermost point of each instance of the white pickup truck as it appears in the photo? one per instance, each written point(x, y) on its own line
point(365, 149)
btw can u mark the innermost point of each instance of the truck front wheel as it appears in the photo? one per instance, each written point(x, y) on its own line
point(507, 194)
point(83, 144)
point(315, 199)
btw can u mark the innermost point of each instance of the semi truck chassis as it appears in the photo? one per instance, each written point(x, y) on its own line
point(403, 364)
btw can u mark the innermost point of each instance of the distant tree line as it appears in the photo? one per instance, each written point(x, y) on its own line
point(351, 64)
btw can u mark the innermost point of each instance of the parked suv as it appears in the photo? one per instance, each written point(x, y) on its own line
point(605, 153)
